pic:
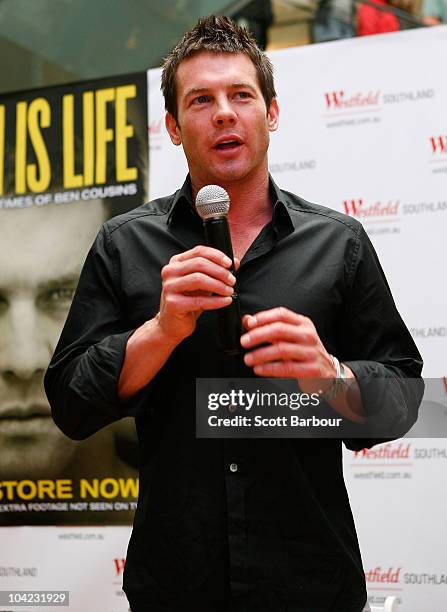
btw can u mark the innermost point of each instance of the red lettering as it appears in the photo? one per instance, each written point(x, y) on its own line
point(439, 144)
point(385, 451)
point(379, 575)
point(119, 566)
point(352, 207)
point(155, 127)
point(335, 98)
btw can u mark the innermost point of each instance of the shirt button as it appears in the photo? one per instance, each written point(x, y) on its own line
point(232, 408)
point(233, 467)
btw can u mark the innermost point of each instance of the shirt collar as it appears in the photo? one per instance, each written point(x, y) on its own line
point(281, 219)
point(182, 201)
point(182, 205)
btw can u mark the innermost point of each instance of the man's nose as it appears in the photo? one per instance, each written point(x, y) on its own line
point(224, 113)
point(24, 348)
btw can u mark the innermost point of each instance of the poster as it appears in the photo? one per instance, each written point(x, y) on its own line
point(71, 157)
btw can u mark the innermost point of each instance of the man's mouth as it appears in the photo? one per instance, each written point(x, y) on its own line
point(228, 144)
point(230, 141)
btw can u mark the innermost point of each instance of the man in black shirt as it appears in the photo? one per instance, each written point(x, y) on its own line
point(256, 525)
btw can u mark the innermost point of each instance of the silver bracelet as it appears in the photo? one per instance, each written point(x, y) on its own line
point(339, 382)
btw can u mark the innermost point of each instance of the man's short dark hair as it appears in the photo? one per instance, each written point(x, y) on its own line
point(220, 35)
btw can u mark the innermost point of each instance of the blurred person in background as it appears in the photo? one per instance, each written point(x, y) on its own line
point(384, 18)
point(405, 14)
point(434, 12)
point(256, 17)
point(371, 20)
point(333, 20)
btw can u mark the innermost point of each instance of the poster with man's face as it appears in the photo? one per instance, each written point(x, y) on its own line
point(70, 158)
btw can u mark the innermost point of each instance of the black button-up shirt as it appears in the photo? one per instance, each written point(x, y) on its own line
point(265, 522)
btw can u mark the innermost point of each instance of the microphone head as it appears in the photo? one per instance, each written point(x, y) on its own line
point(212, 201)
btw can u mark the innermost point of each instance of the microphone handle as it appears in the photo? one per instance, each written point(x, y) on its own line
point(217, 235)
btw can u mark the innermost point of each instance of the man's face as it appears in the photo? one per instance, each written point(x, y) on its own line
point(223, 123)
point(41, 252)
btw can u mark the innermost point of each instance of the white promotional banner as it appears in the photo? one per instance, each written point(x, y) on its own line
point(87, 562)
point(363, 130)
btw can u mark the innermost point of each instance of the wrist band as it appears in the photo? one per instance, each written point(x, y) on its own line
point(339, 382)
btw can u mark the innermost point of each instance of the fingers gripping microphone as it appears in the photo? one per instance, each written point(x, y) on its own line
point(212, 205)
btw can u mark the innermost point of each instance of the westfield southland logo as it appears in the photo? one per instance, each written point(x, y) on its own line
point(362, 209)
point(378, 575)
point(385, 451)
point(342, 100)
point(438, 145)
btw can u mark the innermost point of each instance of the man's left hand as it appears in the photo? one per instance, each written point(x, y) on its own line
point(289, 347)
point(294, 349)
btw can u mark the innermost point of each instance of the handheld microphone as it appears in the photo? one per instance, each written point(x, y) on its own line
point(212, 205)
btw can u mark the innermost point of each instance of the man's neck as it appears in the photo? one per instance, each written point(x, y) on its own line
point(250, 202)
point(250, 209)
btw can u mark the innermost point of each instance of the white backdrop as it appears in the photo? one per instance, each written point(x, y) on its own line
point(363, 129)
point(86, 561)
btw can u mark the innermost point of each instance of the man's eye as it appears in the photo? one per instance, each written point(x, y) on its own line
point(243, 94)
point(59, 297)
point(201, 99)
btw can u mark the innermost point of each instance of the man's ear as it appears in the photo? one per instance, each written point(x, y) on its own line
point(173, 129)
point(273, 116)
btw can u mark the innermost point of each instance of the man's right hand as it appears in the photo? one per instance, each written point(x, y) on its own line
point(193, 281)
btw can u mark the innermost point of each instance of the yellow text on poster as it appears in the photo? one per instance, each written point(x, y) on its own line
point(94, 126)
point(96, 135)
point(109, 488)
point(61, 488)
point(29, 121)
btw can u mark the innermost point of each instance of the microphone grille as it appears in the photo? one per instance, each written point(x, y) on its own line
point(212, 201)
